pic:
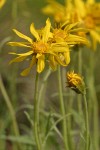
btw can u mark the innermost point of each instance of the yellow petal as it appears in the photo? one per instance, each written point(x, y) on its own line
point(67, 57)
point(77, 39)
point(46, 31)
point(56, 5)
point(94, 44)
point(22, 54)
point(17, 59)
point(58, 59)
point(59, 44)
point(20, 44)
point(64, 24)
point(53, 7)
point(27, 70)
point(90, 2)
point(2, 2)
point(48, 10)
point(79, 30)
point(80, 6)
point(52, 62)
point(70, 26)
point(95, 37)
point(23, 36)
point(34, 32)
point(40, 64)
point(59, 48)
point(68, 4)
point(38, 55)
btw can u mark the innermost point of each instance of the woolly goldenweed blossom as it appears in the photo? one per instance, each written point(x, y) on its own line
point(67, 33)
point(89, 13)
point(40, 49)
point(59, 12)
point(2, 2)
point(75, 82)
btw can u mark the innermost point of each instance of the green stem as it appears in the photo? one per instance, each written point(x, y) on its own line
point(10, 108)
point(80, 72)
point(79, 98)
point(42, 92)
point(94, 115)
point(94, 101)
point(80, 60)
point(63, 113)
point(96, 122)
point(86, 122)
point(70, 122)
point(96, 125)
point(36, 114)
point(43, 85)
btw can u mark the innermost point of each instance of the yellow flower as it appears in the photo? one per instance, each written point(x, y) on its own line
point(67, 34)
point(75, 82)
point(2, 2)
point(86, 13)
point(89, 13)
point(39, 49)
point(59, 12)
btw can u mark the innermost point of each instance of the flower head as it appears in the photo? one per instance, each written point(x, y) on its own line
point(40, 49)
point(67, 35)
point(89, 12)
point(79, 11)
point(68, 32)
point(75, 82)
point(59, 12)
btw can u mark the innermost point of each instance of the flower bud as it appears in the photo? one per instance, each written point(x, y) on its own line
point(75, 82)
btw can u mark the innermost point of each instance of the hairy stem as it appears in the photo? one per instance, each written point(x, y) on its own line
point(63, 113)
point(36, 114)
point(86, 122)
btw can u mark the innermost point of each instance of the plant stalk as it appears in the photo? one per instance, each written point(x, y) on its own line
point(36, 114)
point(86, 122)
point(62, 108)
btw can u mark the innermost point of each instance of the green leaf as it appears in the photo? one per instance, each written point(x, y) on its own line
point(20, 139)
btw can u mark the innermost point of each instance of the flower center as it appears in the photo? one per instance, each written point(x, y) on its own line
point(40, 47)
